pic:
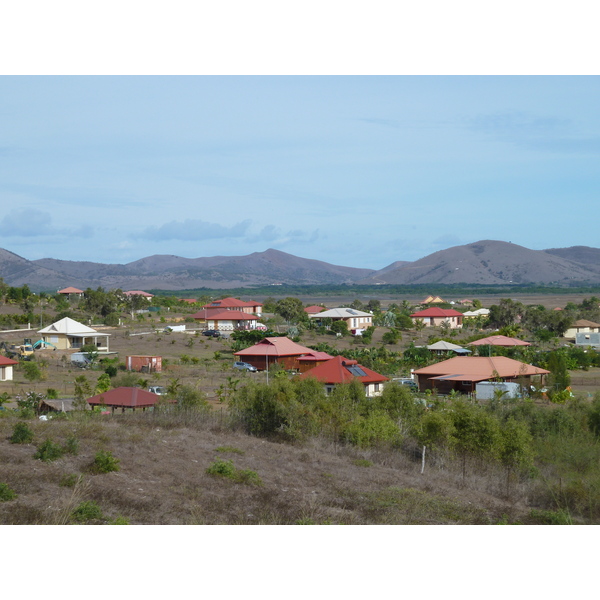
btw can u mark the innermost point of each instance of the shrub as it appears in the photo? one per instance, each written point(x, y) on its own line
point(21, 434)
point(48, 451)
point(87, 511)
point(222, 468)
point(226, 468)
point(104, 462)
point(6, 493)
point(52, 394)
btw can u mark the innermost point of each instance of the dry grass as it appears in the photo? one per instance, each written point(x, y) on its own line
point(163, 479)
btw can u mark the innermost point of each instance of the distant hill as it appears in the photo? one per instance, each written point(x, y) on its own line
point(170, 272)
point(486, 262)
point(492, 262)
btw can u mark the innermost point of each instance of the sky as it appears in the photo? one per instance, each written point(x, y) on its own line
point(359, 138)
point(353, 170)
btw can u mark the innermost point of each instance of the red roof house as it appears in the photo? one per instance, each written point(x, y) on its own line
point(461, 373)
point(343, 370)
point(125, 398)
point(71, 291)
point(235, 304)
point(138, 293)
point(433, 317)
point(271, 350)
point(6, 368)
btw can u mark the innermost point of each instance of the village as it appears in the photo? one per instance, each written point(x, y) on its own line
point(391, 383)
point(196, 347)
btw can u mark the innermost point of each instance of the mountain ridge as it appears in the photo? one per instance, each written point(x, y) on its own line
point(486, 262)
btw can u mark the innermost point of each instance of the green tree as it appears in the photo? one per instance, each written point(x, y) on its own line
point(291, 309)
point(516, 447)
point(476, 433)
point(340, 327)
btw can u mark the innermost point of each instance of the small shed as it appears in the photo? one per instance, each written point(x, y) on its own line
point(144, 364)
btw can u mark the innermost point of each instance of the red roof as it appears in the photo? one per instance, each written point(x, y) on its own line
point(230, 303)
point(479, 368)
point(188, 300)
point(128, 397)
point(499, 340)
point(339, 370)
point(315, 356)
point(437, 312)
point(70, 290)
point(5, 362)
point(313, 310)
point(275, 346)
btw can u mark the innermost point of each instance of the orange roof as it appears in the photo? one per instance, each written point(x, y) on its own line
point(275, 346)
point(499, 340)
point(340, 370)
point(70, 290)
point(479, 368)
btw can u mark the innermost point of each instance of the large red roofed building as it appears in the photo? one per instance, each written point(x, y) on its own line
point(462, 373)
point(125, 398)
point(251, 307)
point(271, 350)
point(343, 370)
point(434, 317)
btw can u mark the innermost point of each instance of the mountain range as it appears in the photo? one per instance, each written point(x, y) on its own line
point(486, 262)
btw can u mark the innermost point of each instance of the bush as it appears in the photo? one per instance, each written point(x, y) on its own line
point(222, 468)
point(21, 434)
point(48, 451)
point(226, 468)
point(104, 462)
point(87, 511)
point(6, 493)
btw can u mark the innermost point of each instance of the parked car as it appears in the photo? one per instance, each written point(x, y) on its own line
point(158, 390)
point(244, 366)
point(409, 383)
point(212, 333)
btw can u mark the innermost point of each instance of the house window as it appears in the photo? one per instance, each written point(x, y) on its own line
point(375, 387)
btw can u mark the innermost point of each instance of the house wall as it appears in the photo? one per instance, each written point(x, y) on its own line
point(454, 322)
point(150, 364)
point(572, 332)
point(260, 362)
point(6, 373)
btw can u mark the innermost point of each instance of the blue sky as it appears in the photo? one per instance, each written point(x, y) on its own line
point(352, 170)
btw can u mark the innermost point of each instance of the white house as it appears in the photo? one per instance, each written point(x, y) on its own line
point(67, 333)
point(356, 320)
